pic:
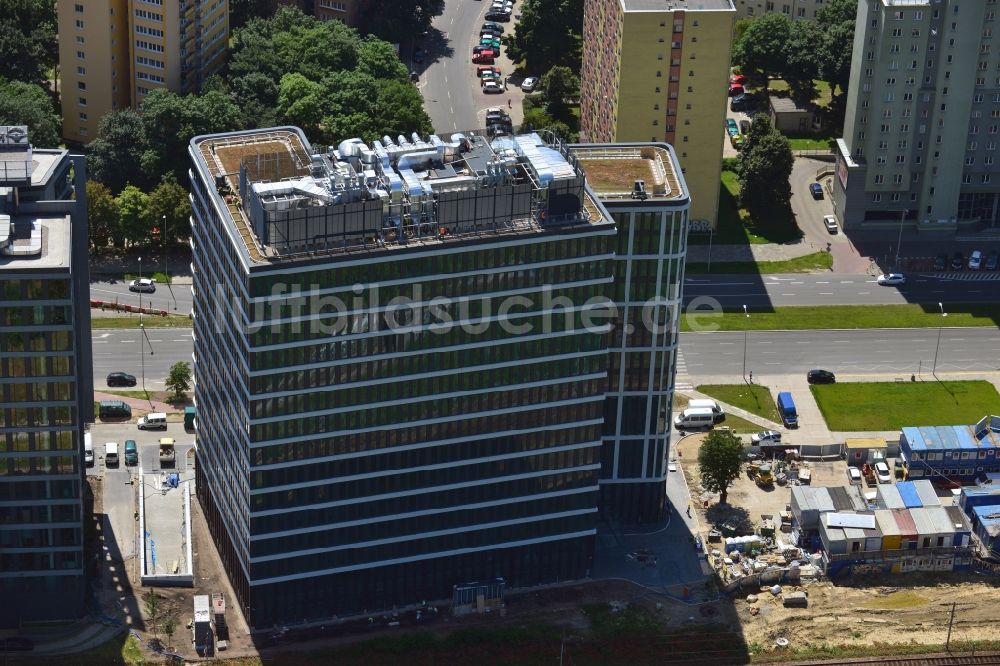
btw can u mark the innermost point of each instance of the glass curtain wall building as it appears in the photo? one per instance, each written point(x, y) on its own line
point(46, 388)
point(400, 365)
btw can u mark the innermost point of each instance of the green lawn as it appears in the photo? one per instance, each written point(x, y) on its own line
point(158, 277)
point(843, 316)
point(735, 226)
point(892, 405)
point(817, 261)
point(810, 143)
point(148, 321)
point(753, 398)
point(823, 94)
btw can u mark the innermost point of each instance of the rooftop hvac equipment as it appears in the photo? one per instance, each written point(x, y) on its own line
point(639, 190)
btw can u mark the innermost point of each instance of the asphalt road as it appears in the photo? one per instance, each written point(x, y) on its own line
point(119, 350)
point(447, 81)
point(860, 352)
point(732, 291)
point(172, 297)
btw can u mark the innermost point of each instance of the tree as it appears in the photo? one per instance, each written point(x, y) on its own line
point(301, 102)
point(720, 461)
point(102, 214)
point(28, 104)
point(28, 46)
point(765, 168)
point(154, 610)
point(560, 84)
point(113, 158)
point(169, 622)
point(171, 200)
point(837, 12)
point(136, 222)
point(835, 56)
point(762, 47)
point(740, 28)
point(179, 379)
point(802, 58)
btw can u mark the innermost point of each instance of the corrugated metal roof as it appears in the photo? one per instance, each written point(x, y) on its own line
point(813, 498)
point(925, 526)
point(888, 497)
point(943, 438)
point(988, 515)
point(851, 520)
point(939, 518)
point(959, 521)
point(909, 495)
point(905, 522)
point(976, 491)
point(926, 493)
point(886, 523)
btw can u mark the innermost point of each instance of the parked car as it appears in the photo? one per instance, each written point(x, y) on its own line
point(528, 85)
point(131, 453)
point(495, 15)
point(854, 476)
point(992, 261)
point(766, 437)
point(816, 190)
point(492, 87)
point(143, 285)
point(737, 141)
point(957, 261)
point(741, 103)
point(737, 80)
point(830, 222)
point(941, 262)
point(735, 90)
point(495, 27)
point(976, 260)
point(891, 279)
point(882, 473)
point(414, 75)
point(490, 43)
point(744, 127)
point(483, 57)
point(821, 377)
point(482, 69)
point(120, 379)
point(731, 127)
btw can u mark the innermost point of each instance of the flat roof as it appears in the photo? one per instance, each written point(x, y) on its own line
point(51, 234)
point(677, 5)
point(782, 104)
point(947, 438)
point(865, 443)
point(613, 168)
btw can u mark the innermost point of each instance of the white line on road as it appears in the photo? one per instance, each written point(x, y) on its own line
point(788, 294)
point(847, 282)
point(100, 342)
point(156, 340)
point(826, 293)
point(181, 340)
point(124, 341)
point(863, 293)
point(797, 283)
point(821, 282)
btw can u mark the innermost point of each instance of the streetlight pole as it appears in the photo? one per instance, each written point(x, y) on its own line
point(163, 231)
point(899, 241)
point(710, 234)
point(745, 345)
point(938, 347)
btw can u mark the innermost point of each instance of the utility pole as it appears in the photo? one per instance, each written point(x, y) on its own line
point(951, 621)
point(899, 241)
point(938, 347)
point(745, 345)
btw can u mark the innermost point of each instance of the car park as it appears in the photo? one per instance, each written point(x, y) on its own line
point(975, 260)
point(485, 57)
point(482, 69)
point(494, 15)
point(891, 279)
point(992, 261)
point(957, 261)
point(818, 376)
point(528, 85)
point(490, 76)
point(816, 190)
point(489, 42)
point(941, 262)
point(882, 473)
point(830, 222)
point(766, 437)
point(142, 285)
point(492, 87)
point(731, 127)
point(120, 379)
point(111, 454)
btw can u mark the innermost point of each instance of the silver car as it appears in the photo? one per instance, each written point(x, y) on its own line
point(830, 222)
point(144, 285)
point(766, 437)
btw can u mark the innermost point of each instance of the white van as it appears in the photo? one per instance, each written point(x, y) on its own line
point(720, 415)
point(153, 421)
point(111, 454)
point(695, 417)
point(88, 450)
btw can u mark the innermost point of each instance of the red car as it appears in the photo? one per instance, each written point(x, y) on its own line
point(483, 57)
point(737, 80)
point(482, 69)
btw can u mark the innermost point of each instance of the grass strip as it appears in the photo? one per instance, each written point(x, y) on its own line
point(753, 398)
point(148, 321)
point(809, 263)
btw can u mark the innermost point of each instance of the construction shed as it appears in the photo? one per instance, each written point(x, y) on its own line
point(987, 520)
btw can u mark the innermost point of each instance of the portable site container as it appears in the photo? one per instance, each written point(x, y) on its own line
point(907, 529)
point(909, 495)
point(944, 531)
point(974, 496)
point(892, 536)
point(864, 449)
point(887, 497)
point(988, 526)
point(849, 533)
point(961, 524)
point(925, 528)
point(808, 504)
point(848, 498)
point(926, 493)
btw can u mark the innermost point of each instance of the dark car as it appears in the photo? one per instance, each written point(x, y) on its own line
point(820, 377)
point(17, 644)
point(121, 379)
point(958, 261)
point(941, 262)
point(816, 190)
point(495, 28)
point(741, 103)
point(494, 15)
point(992, 261)
point(419, 55)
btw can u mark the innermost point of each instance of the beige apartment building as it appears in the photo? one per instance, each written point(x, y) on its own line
point(112, 53)
point(658, 70)
point(793, 9)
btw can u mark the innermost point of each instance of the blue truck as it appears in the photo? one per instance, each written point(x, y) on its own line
point(786, 407)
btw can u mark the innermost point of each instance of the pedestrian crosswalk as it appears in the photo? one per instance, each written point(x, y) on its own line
point(683, 381)
point(970, 276)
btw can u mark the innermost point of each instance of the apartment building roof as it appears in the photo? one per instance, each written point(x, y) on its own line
point(288, 202)
point(677, 5)
point(614, 168)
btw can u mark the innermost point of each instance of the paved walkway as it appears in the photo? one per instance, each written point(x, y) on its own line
point(138, 403)
point(764, 252)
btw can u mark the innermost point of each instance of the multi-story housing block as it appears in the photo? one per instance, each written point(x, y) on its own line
point(46, 388)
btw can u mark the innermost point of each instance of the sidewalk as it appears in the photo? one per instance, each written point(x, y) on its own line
point(764, 424)
point(765, 252)
point(139, 403)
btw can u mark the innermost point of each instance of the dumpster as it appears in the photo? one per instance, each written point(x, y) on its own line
point(189, 414)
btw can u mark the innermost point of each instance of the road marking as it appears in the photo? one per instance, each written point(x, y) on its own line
point(181, 340)
point(449, 94)
point(821, 282)
point(156, 340)
point(100, 342)
point(452, 109)
point(826, 293)
point(863, 293)
point(123, 341)
point(847, 282)
point(727, 343)
point(788, 294)
point(798, 282)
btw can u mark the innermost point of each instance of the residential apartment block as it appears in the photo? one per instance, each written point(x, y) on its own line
point(658, 70)
point(402, 363)
point(345, 11)
point(46, 388)
point(922, 125)
point(112, 53)
point(793, 9)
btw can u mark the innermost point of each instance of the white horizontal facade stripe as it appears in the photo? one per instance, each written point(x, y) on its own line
point(421, 535)
point(13, 527)
point(423, 468)
point(41, 573)
point(424, 375)
point(423, 328)
point(427, 556)
point(423, 445)
point(425, 398)
point(410, 424)
point(424, 352)
point(264, 536)
point(646, 479)
point(422, 491)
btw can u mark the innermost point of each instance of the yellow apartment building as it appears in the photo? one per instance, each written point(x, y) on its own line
point(658, 70)
point(112, 53)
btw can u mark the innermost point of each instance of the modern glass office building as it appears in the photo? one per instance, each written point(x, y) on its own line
point(401, 360)
point(46, 388)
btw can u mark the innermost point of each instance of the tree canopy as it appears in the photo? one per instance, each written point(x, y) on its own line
point(398, 21)
point(28, 46)
point(28, 104)
point(115, 156)
point(762, 46)
point(720, 461)
point(548, 34)
point(765, 166)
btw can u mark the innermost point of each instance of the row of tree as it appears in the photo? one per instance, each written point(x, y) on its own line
point(799, 51)
point(29, 53)
point(130, 218)
point(548, 34)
